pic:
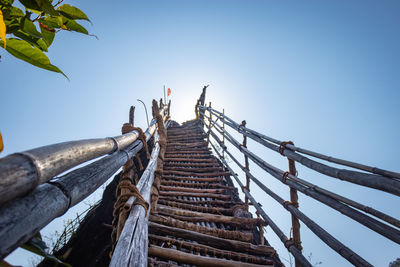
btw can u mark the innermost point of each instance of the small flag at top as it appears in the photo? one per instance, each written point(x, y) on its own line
point(169, 91)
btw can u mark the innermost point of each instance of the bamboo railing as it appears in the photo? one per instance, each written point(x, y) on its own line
point(372, 177)
point(132, 245)
point(29, 197)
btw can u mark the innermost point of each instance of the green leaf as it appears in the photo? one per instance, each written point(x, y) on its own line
point(13, 24)
point(30, 28)
point(6, 3)
point(40, 5)
point(48, 34)
point(23, 50)
point(72, 12)
point(37, 246)
point(72, 25)
point(46, 6)
point(30, 4)
point(38, 42)
point(52, 22)
point(12, 12)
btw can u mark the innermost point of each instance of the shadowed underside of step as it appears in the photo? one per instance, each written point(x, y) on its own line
point(200, 220)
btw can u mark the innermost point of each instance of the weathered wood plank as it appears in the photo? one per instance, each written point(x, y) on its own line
point(188, 258)
point(208, 250)
point(214, 241)
point(234, 235)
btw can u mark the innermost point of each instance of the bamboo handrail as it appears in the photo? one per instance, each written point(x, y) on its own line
point(132, 246)
point(314, 227)
point(22, 172)
point(375, 225)
point(379, 182)
point(347, 163)
point(135, 230)
point(345, 200)
point(295, 252)
point(22, 218)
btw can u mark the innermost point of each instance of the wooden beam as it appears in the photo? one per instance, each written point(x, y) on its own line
point(182, 257)
point(209, 217)
point(233, 235)
point(210, 203)
point(212, 174)
point(190, 194)
point(186, 178)
point(195, 207)
point(214, 241)
point(208, 250)
point(191, 190)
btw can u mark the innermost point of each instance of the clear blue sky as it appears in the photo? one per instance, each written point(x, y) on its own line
point(324, 74)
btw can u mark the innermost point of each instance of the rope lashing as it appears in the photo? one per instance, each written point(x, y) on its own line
point(126, 188)
point(123, 198)
point(285, 175)
point(282, 146)
point(288, 243)
point(127, 127)
point(286, 203)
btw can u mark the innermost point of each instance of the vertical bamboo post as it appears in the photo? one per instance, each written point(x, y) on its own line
point(223, 134)
point(261, 229)
point(128, 174)
point(246, 162)
point(209, 126)
point(295, 221)
point(132, 115)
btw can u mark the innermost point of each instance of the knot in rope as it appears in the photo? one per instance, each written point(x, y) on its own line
point(285, 175)
point(127, 127)
point(288, 243)
point(282, 146)
point(286, 203)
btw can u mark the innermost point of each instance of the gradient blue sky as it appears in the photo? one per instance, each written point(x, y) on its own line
point(324, 74)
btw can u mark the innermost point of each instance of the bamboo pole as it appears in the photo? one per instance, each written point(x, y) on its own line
point(20, 173)
point(188, 258)
point(355, 165)
point(370, 180)
point(237, 221)
point(228, 234)
point(294, 199)
point(213, 241)
point(373, 224)
point(131, 249)
point(320, 232)
point(132, 246)
point(22, 218)
point(345, 200)
point(294, 250)
point(246, 164)
point(132, 115)
point(214, 210)
point(208, 250)
point(223, 136)
point(209, 203)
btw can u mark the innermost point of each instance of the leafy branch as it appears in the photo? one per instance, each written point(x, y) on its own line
point(31, 38)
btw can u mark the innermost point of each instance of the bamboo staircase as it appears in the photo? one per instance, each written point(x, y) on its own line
point(200, 219)
point(174, 202)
